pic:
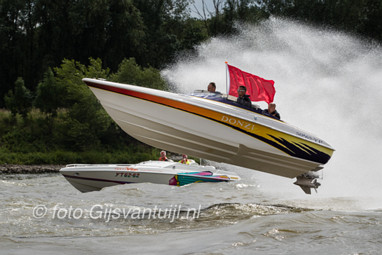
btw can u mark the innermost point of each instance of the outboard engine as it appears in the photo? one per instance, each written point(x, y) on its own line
point(307, 181)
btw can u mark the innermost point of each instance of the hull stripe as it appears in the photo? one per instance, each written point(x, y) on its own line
point(94, 179)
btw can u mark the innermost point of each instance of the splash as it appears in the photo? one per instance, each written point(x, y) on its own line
point(327, 82)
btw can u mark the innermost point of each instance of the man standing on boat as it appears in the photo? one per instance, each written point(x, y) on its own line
point(185, 160)
point(163, 156)
point(243, 98)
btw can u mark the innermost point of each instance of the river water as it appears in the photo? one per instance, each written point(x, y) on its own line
point(234, 218)
point(327, 83)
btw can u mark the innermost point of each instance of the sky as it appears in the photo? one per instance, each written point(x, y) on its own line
point(198, 4)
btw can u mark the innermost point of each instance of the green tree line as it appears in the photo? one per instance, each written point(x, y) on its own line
point(64, 122)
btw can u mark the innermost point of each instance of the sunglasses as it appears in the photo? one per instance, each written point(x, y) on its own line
point(241, 90)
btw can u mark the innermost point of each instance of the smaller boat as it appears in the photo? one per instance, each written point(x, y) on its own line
point(92, 177)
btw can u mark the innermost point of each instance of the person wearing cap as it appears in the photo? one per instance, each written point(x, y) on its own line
point(243, 99)
point(163, 156)
point(185, 160)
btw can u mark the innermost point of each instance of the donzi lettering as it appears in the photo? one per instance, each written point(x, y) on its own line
point(238, 123)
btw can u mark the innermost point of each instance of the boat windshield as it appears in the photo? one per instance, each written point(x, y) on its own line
point(227, 99)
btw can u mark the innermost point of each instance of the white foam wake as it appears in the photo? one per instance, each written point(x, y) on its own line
point(328, 83)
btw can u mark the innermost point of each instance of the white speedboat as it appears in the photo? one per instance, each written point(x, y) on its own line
point(91, 177)
point(211, 126)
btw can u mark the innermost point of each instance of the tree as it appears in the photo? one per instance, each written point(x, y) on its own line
point(164, 30)
point(12, 39)
point(363, 17)
point(19, 100)
point(131, 73)
point(49, 94)
point(86, 121)
point(224, 14)
point(125, 34)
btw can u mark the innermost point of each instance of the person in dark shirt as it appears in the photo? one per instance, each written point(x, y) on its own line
point(211, 87)
point(271, 111)
point(243, 99)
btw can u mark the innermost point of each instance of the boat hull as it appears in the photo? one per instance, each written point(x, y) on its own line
point(88, 178)
point(210, 130)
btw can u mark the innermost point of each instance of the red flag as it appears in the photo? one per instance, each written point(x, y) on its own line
point(258, 88)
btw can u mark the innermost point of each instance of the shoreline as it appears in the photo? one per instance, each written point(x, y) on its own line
point(29, 169)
